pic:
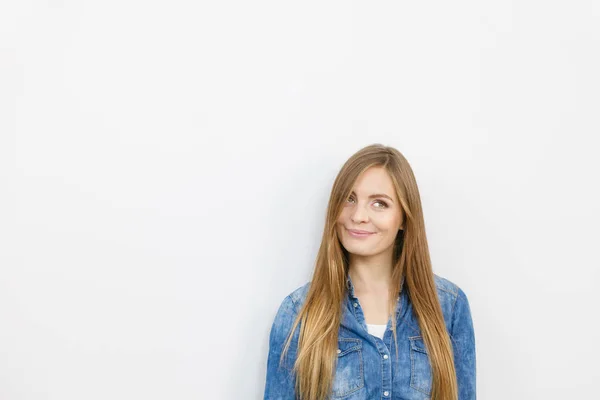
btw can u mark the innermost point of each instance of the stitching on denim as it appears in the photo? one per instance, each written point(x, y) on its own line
point(400, 321)
point(452, 285)
point(361, 375)
point(454, 304)
point(412, 367)
point(447, 291)
point(294, 304)
point(452, 315)
point(358, 345)
point(351, 302)
point(381, 363)
point(414, 346)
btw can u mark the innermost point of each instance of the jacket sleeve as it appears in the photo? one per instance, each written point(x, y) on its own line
point(463, 342)
point(280, 381)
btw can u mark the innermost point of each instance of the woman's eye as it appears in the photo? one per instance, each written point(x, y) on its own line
point(383, 203)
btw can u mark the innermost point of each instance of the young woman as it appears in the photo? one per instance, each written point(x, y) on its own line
point(374, 322)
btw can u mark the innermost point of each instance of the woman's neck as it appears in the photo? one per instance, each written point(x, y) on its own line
point(374, 278)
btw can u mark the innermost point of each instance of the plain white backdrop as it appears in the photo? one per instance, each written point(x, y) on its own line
point(165, 169)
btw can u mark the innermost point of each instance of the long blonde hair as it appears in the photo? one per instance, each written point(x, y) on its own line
point(321, 312)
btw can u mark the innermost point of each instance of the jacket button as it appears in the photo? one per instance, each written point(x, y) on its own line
point(386, 393)
point(355, 304)
point(339, 351)
point(385, 356)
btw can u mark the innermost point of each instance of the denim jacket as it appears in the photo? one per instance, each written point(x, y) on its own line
point(367, 367)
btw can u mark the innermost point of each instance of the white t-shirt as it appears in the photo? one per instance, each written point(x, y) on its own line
point(377, 330)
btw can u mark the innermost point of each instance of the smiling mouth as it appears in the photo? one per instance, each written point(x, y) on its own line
point(359, 232)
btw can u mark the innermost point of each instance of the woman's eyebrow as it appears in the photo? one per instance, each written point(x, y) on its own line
point(377, 195)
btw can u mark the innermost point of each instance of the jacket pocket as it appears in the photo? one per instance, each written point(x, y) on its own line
point(420, 371)
point(349, 376)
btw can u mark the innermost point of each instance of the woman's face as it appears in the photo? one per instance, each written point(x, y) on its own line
point(373, 207)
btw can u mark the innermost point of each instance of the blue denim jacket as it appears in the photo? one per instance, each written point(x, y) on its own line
point(366, 366)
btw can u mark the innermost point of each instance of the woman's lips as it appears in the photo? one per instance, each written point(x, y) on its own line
point(359, 234)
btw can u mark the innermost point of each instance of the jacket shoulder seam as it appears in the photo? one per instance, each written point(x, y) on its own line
point(448, 291)
point(294, 304)
point(297, 295)
point(445, 285)
point(454, 304)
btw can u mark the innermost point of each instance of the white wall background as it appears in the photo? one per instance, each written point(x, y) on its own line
point(165, 168)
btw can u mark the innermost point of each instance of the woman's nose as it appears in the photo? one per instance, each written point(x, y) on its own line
point(359, 214)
